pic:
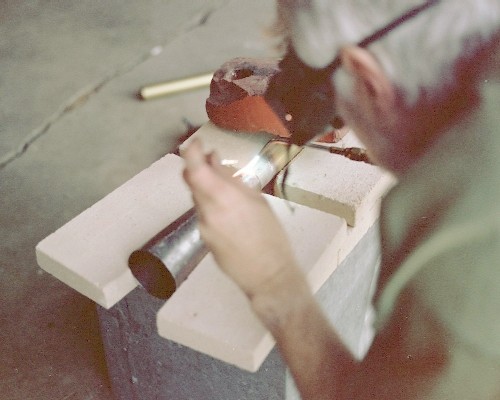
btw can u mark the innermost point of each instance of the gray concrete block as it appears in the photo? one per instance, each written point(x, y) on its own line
point(144, 366)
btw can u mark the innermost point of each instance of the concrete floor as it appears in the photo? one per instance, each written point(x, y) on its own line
point(72, 130)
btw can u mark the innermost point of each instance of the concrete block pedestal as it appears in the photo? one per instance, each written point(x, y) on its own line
point(205, 342)
point(144, 366)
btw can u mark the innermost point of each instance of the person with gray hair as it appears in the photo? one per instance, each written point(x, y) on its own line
point(419, 83)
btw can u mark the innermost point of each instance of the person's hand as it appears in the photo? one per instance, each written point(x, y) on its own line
point(237, 224)
point(311, 27)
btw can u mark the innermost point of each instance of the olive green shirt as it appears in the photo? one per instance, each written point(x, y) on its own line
point(440, 229)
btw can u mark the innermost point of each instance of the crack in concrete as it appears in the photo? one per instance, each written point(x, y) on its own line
point(75, 101)
point(83, 95)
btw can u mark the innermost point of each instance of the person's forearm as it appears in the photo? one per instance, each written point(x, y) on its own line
point(309, 346)
point(251, 247)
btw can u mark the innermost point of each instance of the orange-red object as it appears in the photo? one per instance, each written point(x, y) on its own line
point(237, 102)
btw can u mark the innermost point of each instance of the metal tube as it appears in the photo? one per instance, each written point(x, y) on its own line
point(176, 86)
point(166, 260)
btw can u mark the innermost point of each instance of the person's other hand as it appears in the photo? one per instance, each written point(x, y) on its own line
point(311, 28)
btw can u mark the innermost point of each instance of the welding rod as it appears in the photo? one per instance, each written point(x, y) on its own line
point(176, 86)
point(166, 260)
point(352, 153)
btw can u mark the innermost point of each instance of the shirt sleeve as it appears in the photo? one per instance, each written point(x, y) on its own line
point(456, 273)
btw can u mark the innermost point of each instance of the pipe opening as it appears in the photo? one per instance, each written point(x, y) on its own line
point(152, 274)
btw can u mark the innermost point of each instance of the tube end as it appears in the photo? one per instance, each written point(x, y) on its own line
point(152, 274)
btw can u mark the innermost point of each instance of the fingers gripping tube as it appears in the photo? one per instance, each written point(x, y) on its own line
point(168, 258)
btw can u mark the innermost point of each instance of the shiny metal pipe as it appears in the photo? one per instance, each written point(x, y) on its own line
point(166, 260)
point(176, 86)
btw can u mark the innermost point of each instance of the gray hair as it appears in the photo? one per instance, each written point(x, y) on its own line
point(419, 56)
